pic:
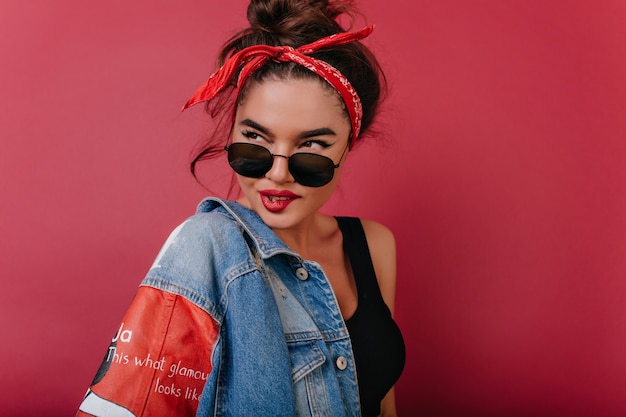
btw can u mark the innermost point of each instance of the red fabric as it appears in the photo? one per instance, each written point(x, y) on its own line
point(254, 57)
point(159, 359)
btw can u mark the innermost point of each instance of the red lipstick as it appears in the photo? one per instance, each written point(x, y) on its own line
point(276, 201)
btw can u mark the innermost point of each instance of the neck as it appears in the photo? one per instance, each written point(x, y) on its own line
point(311, 240)
point(308, 237)
point(302, 238)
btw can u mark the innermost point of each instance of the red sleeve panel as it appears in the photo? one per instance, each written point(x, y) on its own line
point(158, 361)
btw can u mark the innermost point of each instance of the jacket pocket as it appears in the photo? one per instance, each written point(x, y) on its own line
point(305, 356)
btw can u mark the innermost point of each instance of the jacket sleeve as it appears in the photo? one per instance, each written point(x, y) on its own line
point(158, 361)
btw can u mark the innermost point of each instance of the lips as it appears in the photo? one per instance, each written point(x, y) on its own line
point(277, 201)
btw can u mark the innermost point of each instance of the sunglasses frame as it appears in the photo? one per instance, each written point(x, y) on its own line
point(308, 179)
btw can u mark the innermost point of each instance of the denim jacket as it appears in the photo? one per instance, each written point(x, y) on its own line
point(240, 318)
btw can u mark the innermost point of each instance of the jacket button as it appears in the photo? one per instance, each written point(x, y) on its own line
point(302, 274)
point(342, 363)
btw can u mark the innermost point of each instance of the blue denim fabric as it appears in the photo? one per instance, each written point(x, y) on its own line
point(283, 348)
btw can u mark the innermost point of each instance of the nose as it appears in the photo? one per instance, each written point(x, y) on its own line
point(279, 173)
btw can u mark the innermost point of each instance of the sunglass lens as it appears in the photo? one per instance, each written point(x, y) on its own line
point(249, 160)
point(311, 170)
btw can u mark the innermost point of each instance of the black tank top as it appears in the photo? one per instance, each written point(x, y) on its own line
point(377, 343)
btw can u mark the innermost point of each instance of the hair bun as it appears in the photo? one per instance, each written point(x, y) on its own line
point(295, 21)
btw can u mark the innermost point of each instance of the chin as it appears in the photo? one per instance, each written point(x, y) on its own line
point(277, 221)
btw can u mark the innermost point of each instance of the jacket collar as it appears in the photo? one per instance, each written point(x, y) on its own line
point(264, 238)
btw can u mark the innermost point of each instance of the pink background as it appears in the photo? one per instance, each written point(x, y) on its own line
point(501, 170)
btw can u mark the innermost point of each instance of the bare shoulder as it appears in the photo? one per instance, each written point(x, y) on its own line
point(382, 245)
point(378, 235)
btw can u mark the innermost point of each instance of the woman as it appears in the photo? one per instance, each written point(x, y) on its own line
point(265, 306)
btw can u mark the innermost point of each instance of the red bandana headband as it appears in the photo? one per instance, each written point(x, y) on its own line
point(254, 57)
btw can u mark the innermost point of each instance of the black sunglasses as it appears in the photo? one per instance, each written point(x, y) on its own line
point(254, 161)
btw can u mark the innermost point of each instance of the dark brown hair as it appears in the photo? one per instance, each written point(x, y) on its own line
point(295, 23)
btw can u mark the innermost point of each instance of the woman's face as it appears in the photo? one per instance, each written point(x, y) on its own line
point(289, 116)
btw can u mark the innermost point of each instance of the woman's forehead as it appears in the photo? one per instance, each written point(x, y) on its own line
point(299, 103)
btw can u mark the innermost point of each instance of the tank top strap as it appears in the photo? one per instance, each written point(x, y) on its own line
point(355, 246)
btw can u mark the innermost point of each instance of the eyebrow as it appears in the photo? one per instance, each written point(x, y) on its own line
point(256, 126)
point(322, 131)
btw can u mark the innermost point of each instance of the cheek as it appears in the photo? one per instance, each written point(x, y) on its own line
point(245, 183)
point(337, 176)
point(327, 191)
